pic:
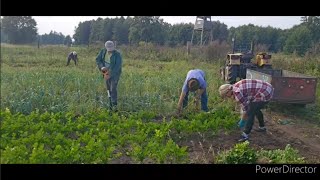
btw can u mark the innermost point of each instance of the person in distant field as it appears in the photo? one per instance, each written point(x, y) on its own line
point(109, 62)
point(194, 82)
point(73, 55)
point(252, 95)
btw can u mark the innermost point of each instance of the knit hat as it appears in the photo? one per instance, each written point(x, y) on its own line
point(109, 45)
point(193, 84)
point(224, 89)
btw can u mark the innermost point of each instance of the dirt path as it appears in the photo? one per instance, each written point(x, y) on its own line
point(301, 135)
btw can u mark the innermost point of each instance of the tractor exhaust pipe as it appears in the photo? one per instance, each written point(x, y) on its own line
point(252, 46)
point(233, 44)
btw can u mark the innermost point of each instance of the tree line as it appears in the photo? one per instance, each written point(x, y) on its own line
point(152, 29)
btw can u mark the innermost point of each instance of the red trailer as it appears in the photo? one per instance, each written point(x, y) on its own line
point(289, 87)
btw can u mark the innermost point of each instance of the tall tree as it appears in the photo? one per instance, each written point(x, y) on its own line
point(219, 31)
point(121, 31)
point(19, 29)
point(108, 29)
point(299, 40)
point(52, 38)
point(148, 29)
point(83, 33)
point(96, 33)
point(313, 24)
point(67, 41)
point(180, 34)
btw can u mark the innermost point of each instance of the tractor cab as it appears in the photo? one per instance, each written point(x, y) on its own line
point(233, 59)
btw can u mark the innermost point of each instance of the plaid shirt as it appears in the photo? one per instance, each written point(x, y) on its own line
point(251, 90)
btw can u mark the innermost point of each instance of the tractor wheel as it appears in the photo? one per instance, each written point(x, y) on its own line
point(222, 73)
point(231, 74)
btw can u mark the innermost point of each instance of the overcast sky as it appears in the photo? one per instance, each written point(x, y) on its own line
point(67, 24)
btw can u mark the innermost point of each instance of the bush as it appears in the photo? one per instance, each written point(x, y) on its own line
point(287, 156)
point(240, 154)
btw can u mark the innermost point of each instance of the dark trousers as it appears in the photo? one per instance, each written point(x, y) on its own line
point(254, 111)
point(204, 101)
point(69, 59)
point(112, 85)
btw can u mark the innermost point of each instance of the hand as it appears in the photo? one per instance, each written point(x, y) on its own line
point(242, 123)
point(104, 69)
point(105, 72)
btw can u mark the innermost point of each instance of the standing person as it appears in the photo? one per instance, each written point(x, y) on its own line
point(109, 61)
point(73, 55)
point(253, 95)
point(195, 81)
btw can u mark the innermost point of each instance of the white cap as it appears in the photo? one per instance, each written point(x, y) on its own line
point(109, 45)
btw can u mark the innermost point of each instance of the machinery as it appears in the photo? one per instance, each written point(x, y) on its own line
point(237, 63)
point(263, 60)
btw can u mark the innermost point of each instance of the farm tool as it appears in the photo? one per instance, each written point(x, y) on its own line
point(106, 76)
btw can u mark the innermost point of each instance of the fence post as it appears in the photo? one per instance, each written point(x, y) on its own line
point(188, 47)
point(38, 41)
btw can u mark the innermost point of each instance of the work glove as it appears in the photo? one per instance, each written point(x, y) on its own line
point(105, 72)
point(104, 69)
point(242, 123)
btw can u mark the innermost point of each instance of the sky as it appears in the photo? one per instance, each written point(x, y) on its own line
point(67, 24)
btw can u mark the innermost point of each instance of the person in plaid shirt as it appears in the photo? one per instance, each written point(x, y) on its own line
point(253, 95)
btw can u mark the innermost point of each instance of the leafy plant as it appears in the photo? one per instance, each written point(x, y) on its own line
point(240, 154)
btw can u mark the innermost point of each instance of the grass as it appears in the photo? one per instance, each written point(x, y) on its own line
point(43, 96)
point(39, 79)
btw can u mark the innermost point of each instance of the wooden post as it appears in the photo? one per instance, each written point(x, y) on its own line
point(115, 44)
point(38, 42)
point(188, 47)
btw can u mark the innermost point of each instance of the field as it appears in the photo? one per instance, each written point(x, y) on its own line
point(53, 113)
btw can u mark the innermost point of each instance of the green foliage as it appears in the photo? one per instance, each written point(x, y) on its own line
point(240, 154)
point(53, 38)
point(67, 41)
point(277, 156)
point(19, 29)
point(299, 40)
point(56, 114)
point(97, 137)
point(82, 33)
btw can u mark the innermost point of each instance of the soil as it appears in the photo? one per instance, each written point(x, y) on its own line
point(305, 137)
point(281, 130)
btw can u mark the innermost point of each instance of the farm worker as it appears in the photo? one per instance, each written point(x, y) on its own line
point(194, 82)
point(73, 55)
point(109, 62)
point(253, 95)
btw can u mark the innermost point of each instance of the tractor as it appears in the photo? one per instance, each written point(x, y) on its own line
point(237, 63)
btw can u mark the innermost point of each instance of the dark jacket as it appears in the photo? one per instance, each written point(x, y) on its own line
point(115, 63)
point(73, 57)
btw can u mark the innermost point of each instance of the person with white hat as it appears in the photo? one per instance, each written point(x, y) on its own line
point(72, 55)
point(111, 67)
point(252, 95)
